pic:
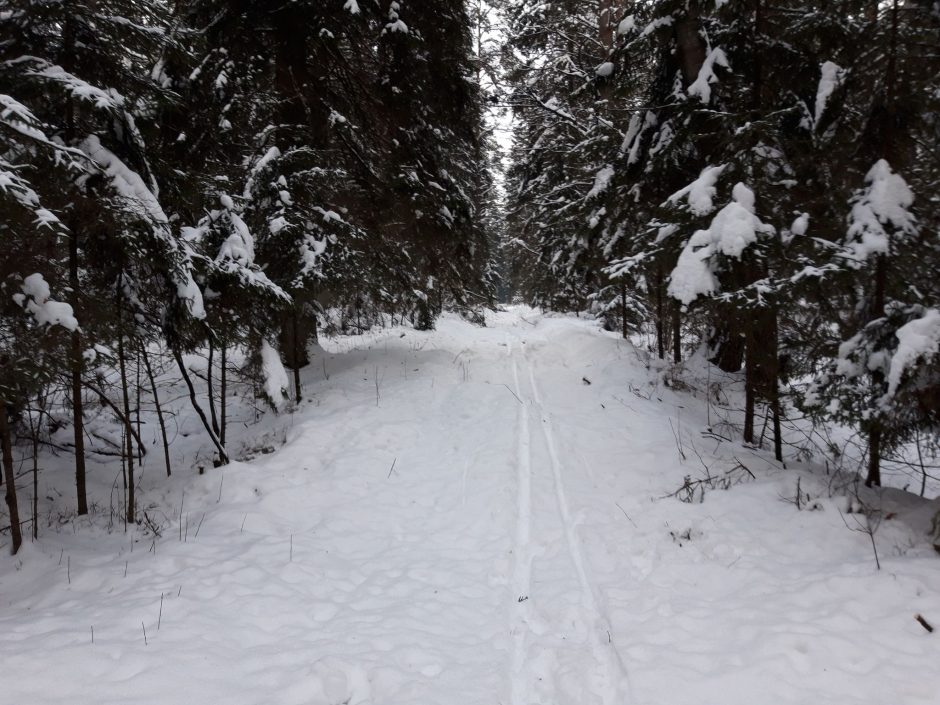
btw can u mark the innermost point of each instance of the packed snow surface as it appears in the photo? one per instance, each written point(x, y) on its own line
point(475, 516)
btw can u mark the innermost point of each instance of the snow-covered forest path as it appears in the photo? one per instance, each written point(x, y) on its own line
point(474, 516)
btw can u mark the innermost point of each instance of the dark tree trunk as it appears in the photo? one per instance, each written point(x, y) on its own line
point(750, 383)
point(660, 314)
point(6, 441)
point(76, 364)
point(775, 410)
point(34, 429)
point(193, 399)
point(676, 333)
point(35, 516)
point(210, 390)
point(75, 350)
point(223, 393)
point(690, 44)
point(297, 329)
point(874, 457)
point(623, 311)
point(128, 429)
point(875, 433)
point(117, 411)
point(772, 378)
point(140, 447)
point(156, 403)
point(727, 344)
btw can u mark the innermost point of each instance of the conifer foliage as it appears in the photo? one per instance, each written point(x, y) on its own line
point(222, 178)
point(755, 177)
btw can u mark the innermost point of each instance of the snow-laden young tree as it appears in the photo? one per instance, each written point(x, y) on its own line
point(278, 93)
point(34, 327)
point(81, 76)
point(881, 377)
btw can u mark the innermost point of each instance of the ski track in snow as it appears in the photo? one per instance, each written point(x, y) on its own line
point(417, 541)
point(613, 674)
point(522, 571)
point(607, 682)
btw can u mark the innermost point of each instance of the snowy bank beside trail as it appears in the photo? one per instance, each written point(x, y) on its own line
point(490, 515)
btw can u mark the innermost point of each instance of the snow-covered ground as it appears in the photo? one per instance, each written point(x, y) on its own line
point(481, 516)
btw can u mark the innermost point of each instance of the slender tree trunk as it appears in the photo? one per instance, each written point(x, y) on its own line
point(223, 455)
point(874, 457)
point(34, 429)
point(125, 421)
point(660, 315)
point(6, 441)
point(156, 403)
point(35, 517)
point(210, 390)
point(128, 430)
point(875, 433)
point(891, 149)
point(298, 354)
point(773, 380)
point(750, 384)
point(140, 447)
point(676, 333)
point(76, 364)
point(223, 393)
point(775, 410)
point(623, 310)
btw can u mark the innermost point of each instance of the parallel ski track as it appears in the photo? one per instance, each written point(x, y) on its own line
point(614, 680)
point(522, 568)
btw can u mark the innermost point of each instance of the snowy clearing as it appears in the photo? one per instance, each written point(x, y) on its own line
point(475, 516)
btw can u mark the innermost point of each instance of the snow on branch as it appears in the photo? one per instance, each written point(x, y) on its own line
point(103, 99)
point(831, 76)
point(917, 339)
point(37, 302)
point(732, 230)
point(702, 86)
point(700, 193)
point(880, 212)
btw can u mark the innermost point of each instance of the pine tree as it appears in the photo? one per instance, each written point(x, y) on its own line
point(82, 72)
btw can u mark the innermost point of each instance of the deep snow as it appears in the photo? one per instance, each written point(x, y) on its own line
point(480, 516)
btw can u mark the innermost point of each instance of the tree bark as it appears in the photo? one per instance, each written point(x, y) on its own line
point(156, 403)
point(660, 314)
point(223, 455)
point(6, 441)
point(772, 378)
point(690, 44)
point(623, 310)
point(874, 457)
point(750, 384)
point(128, 428)
point(223, 393)
point(727, 343)
point(676, 333)
point(875, 432)
point(210, 390)
point(34, 431)
point(137, 393)
point(76, 364)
